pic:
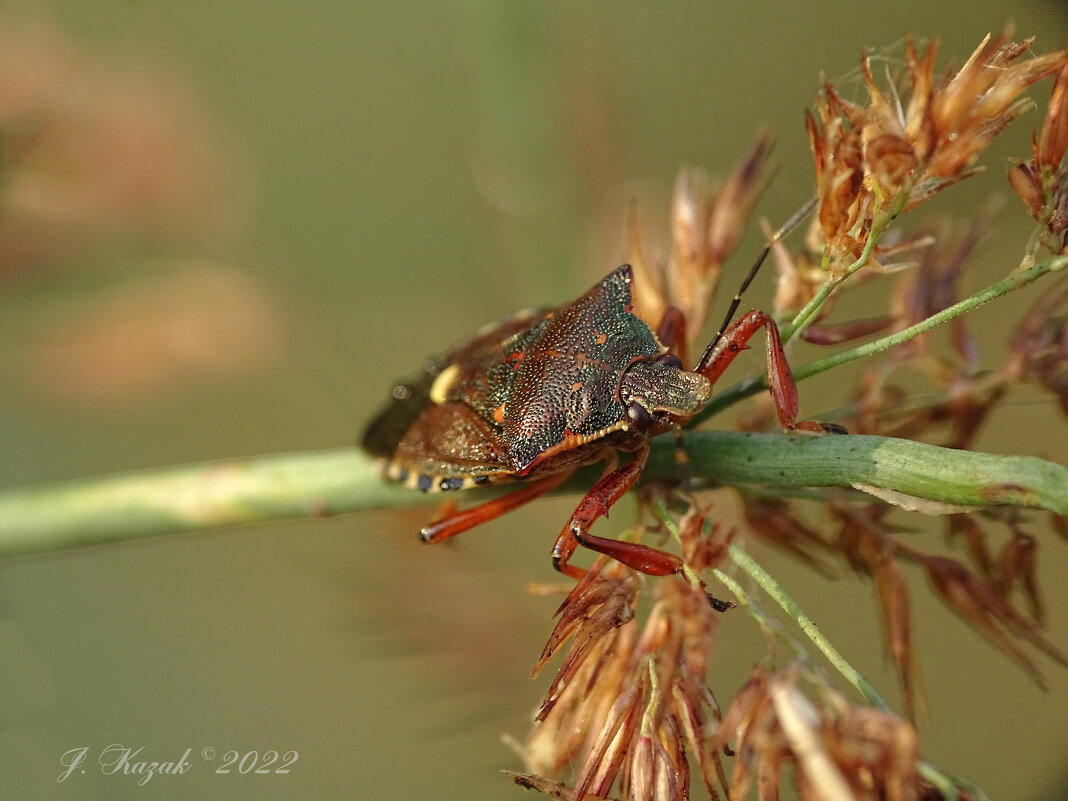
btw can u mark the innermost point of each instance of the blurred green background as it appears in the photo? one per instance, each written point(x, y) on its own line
point(391, 177)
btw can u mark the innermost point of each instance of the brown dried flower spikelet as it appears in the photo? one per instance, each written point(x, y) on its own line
point(702, 539)
point(893, 154)
point(1041, 182)
point(980, 603)
point(876, 750)
point(967, 526)
point(864, 540)
point(965, 396)
point(771, 520)
point(1039, 346)
point(629, 701)
point(837, 750)
point(1053, 140)
point(800, 277)
point(707, 222)
point(1017, 565)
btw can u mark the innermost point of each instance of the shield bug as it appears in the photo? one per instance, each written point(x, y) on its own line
point(530, 399)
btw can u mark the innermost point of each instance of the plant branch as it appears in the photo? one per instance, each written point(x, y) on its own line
point(1013, 281)
point(944, 781)
point(775, 591)
point(816, 303)
point(321, 484)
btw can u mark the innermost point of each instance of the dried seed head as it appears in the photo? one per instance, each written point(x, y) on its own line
point(864, 539)
point(628, 705)
point(648, 285)
point(1040, 345)
point(876, 750)
point(1026, 183)
point(773, 521)
point(799, 279)
point(706, 225)
point(1017, 563)
point(982, 606)
point(1054, 138)
point(838, 751)
point(892, 160)
point(1040, 182)
point(866, 157)
point(707, 222)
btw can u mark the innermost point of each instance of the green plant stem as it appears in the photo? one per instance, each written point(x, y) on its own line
point(945, 782)
point(752, 386)
point(767, 622)
point(878, 228)
point(774, 590)
point(945, 475)
point(321, 484)
point(930, 772)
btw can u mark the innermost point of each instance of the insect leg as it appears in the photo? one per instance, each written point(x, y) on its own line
point(596, 503)
point(780, 381)
point(671, 332)
point(461, 521)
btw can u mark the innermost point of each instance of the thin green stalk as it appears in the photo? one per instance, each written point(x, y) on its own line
point(878, 228)
point(945, 782)
point(775, 591)
point(752, 386)
point(930, 772)
point(766, 621)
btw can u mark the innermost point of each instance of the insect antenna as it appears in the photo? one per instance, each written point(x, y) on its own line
point(786, 228)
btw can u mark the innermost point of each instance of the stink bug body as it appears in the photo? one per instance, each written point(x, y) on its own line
point(534, 397)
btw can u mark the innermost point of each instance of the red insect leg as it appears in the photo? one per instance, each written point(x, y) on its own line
point(461, 521)
point(780, 381)
point(596, 503)
point(671, 332)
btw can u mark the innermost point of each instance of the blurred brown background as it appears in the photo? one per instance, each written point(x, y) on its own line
point(226, 227)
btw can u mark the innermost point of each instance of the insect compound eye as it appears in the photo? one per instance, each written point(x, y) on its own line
point(639, 418)
point(670, 359)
